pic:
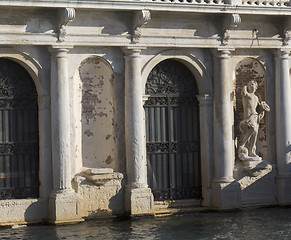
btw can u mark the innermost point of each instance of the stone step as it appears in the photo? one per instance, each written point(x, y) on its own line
point(177, 203)
point(172, 211)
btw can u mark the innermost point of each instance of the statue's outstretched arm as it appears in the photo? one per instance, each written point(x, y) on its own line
point(244, 91)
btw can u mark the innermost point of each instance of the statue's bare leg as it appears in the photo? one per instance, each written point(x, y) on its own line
point(252, 148)
point(246, 136)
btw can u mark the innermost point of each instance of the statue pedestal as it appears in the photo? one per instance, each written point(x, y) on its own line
point(251, 164)
point(258, 188)
point(254, 166)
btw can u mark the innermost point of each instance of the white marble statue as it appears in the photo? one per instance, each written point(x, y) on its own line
point(254, 111)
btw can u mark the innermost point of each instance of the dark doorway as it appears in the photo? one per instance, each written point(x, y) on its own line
point(19, 144)
point(172, 132)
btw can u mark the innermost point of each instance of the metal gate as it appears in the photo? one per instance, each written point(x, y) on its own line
point(172, 132)
point(19, 164)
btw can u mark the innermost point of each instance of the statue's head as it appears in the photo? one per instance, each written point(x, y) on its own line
point(252, 86)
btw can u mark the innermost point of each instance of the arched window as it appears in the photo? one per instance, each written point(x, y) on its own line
point(19, 144)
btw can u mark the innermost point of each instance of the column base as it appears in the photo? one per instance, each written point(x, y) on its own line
point(64, 207)
point(283, 190)
point(206, 197)
point(226, 195)
point(139, 201)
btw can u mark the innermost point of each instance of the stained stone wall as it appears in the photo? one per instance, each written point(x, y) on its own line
point(95, 42)
point(98, 138)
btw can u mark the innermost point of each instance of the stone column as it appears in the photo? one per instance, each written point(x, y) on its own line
point(64, 202)
point(283, 125)
point(206, 143)
point(225, 191)
point(139, 199)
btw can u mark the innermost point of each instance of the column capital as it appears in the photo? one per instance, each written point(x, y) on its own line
point(54, 49)
point(132, 51)
point(205, 99)
point(222, 52)
point(282, 53)
point(145, 97)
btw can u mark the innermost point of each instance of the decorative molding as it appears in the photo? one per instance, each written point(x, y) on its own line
point(140, 19)
point(163, 80)
point(66, 15)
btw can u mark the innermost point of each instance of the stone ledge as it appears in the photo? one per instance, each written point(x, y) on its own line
point(177, 203)
point(100, 176)
point(23, 211)
point(172, 211)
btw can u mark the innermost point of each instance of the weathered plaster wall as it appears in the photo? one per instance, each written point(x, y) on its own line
point(98, 140)
point(97, 112)
point(23, 211)
point(101, 195)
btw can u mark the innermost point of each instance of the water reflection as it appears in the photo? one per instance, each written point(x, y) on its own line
point(270, 223)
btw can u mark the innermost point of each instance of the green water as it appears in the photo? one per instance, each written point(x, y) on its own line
point(265, 224)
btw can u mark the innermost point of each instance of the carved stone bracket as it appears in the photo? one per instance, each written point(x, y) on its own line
point(285, 33)
point(66, 15)
point(140, 19)
point(286, 36)
point(229, 22)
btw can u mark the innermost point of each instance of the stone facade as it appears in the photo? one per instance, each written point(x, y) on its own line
point(90, 61)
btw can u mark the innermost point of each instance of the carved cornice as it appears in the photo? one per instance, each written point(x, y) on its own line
point(66, 15)
point(140, 19)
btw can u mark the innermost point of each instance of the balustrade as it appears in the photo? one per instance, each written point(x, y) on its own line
point(260, 3)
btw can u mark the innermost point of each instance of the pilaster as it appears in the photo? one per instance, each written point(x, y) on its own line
point(283, 127)
point(64, 203)
point(225, 191)
point(206, 139)
point(138, 197)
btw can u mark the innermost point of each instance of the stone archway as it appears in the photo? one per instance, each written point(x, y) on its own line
point(19, 134)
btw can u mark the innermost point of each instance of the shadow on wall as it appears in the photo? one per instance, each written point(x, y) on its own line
point(100, 195)
point(259, 189)
point(116, 202)
point(36, 210)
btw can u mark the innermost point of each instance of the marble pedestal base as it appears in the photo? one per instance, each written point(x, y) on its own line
point(284, 190)
point(64, 207)
point(258, 187)
point(139, 201)
point(252, 167)
point(226, 195)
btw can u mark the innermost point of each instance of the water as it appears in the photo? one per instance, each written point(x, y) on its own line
point(265, 224)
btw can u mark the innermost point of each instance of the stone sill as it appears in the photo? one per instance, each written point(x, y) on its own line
point(100, 176)
point(152, 5)
point(177, 203)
